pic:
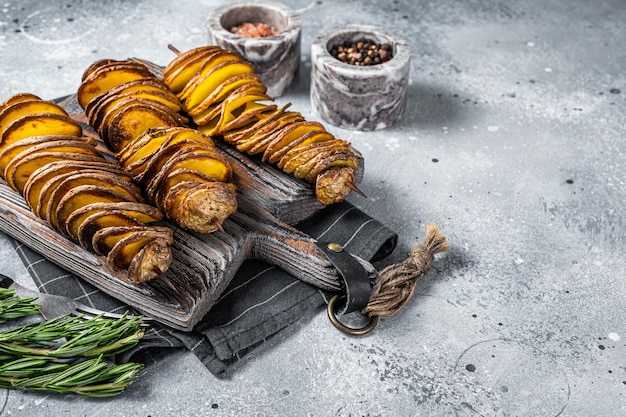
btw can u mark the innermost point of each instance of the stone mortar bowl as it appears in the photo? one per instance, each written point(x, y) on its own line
point(276, 59)
point(354, 97)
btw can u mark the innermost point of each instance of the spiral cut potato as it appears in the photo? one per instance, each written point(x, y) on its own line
point(85, 197)
point(224, 97)
point(178, 168)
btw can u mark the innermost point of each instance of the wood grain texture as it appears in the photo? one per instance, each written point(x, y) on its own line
point(203, 264)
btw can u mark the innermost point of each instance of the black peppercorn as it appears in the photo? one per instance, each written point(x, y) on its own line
point(362, 52)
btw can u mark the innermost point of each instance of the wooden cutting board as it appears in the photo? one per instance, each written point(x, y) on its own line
point(203, 264)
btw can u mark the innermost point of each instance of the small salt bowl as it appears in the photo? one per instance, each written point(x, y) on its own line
point(364, 97)
point(275, 58)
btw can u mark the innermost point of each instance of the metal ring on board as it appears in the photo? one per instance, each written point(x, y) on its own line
point(348, 330)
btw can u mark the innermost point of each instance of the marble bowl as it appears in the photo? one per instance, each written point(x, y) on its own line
point(276, 59)
point(359, 97)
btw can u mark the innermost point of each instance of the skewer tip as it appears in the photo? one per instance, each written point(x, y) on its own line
point(355, 189)
point(173, 49)
point(218, 225)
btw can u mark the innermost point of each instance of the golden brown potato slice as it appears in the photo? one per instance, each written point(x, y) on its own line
point(198, 90)
point(237, 100)
point(151, 142)
point(127, 244)
point(174, 177)
point(251, 113)
point(66, 183)
point(38, 181)
point(144, 85)
point(288, 137)
point(109, 101)
point(210, 115)
point(65, 146)
point(38, 125)
point(183, 68)
point(235, 104)
point(106, 64)
point(207, 66)
point(224, 89)
point(19, 170)
point(206, 161)
point(78, 197)
point(339, 160)
point(260, 140)
point(297, 157)
point(207, 165)
point(160, 159)
point(134, 119)
point(201, 207)
point(17, 98)
point(94, 66)
point(264, 118)
point(142, 213)
point(14, 149)
point(27, 108)
point(151, 261)
point(314, 136)
point(102, 81)
point(104, 240)
point(100, 220)
point(309, 170)
point(155, 135)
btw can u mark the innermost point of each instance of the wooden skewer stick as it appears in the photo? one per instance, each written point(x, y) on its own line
point(218, 225)
point(173, 49)
point(355, 189)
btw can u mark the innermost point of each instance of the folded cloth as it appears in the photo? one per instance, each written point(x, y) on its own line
point(260, 301)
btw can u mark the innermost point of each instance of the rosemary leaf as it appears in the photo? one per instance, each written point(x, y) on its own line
point(91, 377)
point(14, 307)
point(83, 337)
point(65, 354)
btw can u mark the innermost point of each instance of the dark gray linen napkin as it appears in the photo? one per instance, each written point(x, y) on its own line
point(260, 301)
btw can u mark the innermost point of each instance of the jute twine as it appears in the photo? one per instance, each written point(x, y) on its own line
point(396, 283)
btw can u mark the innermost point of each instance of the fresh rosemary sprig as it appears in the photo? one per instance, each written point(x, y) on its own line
point(13, 307)
point(67, 354)
point(83, 337)
point(91, 377)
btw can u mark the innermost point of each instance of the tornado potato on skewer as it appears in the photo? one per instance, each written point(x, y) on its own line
point(61, 173)
point(178, 168)
point(223, 96)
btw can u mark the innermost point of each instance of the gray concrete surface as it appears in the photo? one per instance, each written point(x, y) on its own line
point(512, 141)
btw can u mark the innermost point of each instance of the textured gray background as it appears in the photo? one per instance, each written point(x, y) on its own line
point(512, 141)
